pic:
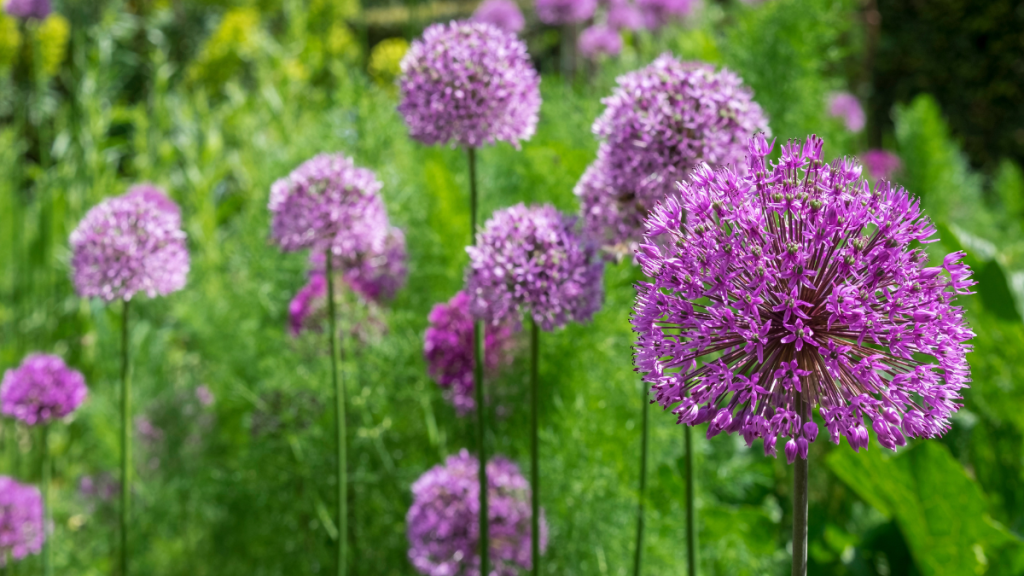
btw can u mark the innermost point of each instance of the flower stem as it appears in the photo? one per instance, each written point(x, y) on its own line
point(691, 533)
point(800, 517)
point(45, 445)
point(638, 552)
point(534, 466)
point(339, 422)
point(126, 439)
point(478, 383)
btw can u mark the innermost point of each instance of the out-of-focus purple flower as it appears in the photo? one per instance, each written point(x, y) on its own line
point(659, 123)
point(24, 9)
point(658, 13)
point(103, 487)
point(600, 40)
point(21, 520)
point(559, 12)
point(504, 14)
point(448, 349)
point(305, 303)
point(128, 244)
point(881, 164)
point(531, 261)
point(443, 522)
point(204, 395)
point(797, 288)
point(846, 106)
point(329, 203)
point(41, 390)
point(469, 84)
point(376, 275)
point(625, 16)
point(148, 431)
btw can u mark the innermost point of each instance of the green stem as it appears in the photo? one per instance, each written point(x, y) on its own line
point(478, 383)
point(800, 517)
point(638, 552)
point(46, 498)
point(534, 467)
point(691, 532)
point(339, 423)
point(126, 439)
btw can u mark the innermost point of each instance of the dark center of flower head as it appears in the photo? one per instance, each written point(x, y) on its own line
point(808, 296)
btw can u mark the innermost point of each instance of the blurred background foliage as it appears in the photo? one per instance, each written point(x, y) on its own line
point(215, 99)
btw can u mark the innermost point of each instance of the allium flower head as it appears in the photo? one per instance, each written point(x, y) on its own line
point(21, 520)
point(659, 123)
point(305, 303)
point(128, 244)
point(558, 12)
point(799, 289)
point(504, 14)
point(24, 9)
point(376, 275)
point(625, 16)
point(658, 13)
point(881, 164)
point(448, 349)
point(469, 84)
point(846, 106)
point(41, 390)
point(443, 522)
point(600, 40)
point(328, 203)
point(531, 261)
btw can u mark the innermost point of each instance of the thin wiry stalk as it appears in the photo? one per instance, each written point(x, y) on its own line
point(126, 439)
point(691, 532)
point(534, 466)
point(800, 517)
point(642, 493)
point(478, 382)
point(339, 425)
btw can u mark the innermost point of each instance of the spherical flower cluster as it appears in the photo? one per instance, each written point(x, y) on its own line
point(24, 9)
point(558, 12)
point(794, 288)
point(881, 163)
point(600, 40)
point(610, 216)
point(623, 15)
point(128, 244)
point(376, 275)
point(448, 349)
point(658, 13)
point(469, 84)
point(658, 124)
point(329, 203)
point(41, 390)
point(504, 14)
point(531, 261)
point(305, 303)
point(846, 106)
point(21, 520)
point(443, 522)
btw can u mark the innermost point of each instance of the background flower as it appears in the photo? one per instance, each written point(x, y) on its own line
point(598, 39)
point(443, 521)
point(38, 9)
point(469, 84)
point(845, 106)
point(531, 261)
point(21, 520)
point(881, 163)
point(504, 14)
point(41, 390)
point(658, 13)
point(798, 287)
point(558, 12)
point(376, 275)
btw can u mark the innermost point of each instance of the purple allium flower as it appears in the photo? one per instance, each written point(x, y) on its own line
point(376, 275)
point(21, 520)
point(24, 9)
point(305, 303)
point(531, 261)
point(658, 124)
point(846, 106)
point(149, 432)
point(103, 487)
point(128, 244)
point(328, 202)
point(598, 39)
point(41, 390)
point(881, 164)
point(658, 13)
point(469, 84)
point(448, 349)
point(608, 215)
point(798, 287)
point(204, 395)
point(625, 16)
point(559, 12)
point(443, 522)
point(504, 14)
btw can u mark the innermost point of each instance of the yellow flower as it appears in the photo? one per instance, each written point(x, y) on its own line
point(10, 40)
point(385, 59)
point(235, 41)
point(53, 35)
